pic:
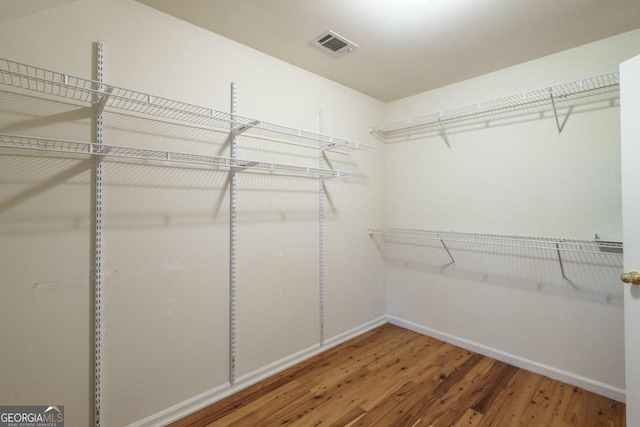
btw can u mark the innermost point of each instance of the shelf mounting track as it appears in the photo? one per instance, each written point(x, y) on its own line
point(321, 233)
point(97, 240)
point(232, 241)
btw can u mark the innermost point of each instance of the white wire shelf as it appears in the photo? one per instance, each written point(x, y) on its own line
point(66, 147)
point(116, 99)
point(586, 269)
point(562, 245)
point(551, 97)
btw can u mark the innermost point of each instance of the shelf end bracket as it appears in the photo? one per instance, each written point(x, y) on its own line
point(559, 125)
point(453, 261)
point(241, 165)
point(564, 277)
point(104, 97)
point(443, 132)
point(243, 128)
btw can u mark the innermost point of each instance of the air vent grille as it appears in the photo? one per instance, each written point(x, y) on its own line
point(335, 43)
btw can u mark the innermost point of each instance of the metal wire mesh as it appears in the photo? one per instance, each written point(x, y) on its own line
point(577, 268)
point(128, 100)
point(274, 131)
point(119, 99)
point(561, 94)
point(36, 79)
point(113, 151)
point(43, 144)
point(565, 245)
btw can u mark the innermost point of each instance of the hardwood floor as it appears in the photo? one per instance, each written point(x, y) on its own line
point(394, 377)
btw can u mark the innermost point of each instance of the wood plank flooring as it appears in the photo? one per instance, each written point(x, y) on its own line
point(395, 377)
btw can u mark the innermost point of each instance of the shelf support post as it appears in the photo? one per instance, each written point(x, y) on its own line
point(321, 230)
point(97, 241)
point(232, 239)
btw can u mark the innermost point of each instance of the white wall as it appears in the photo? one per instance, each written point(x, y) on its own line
point(166, 256)
point(518, 177)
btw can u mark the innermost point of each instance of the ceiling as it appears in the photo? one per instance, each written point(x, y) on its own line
point(404, 49)
point(407, 49)
point(13, 9)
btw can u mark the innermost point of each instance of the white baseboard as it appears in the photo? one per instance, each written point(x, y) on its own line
point(520, 362)
point(202, 400)
point(189, 406)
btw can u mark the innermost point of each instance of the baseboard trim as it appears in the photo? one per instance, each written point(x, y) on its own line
point(189, 406)
point(589, 384)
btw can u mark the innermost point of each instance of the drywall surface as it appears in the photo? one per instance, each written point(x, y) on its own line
point(515, 176)
point(165, 316)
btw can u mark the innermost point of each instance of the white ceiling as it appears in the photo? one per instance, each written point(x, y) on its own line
point(13, 9)
point(407, 49)
point(404, 49)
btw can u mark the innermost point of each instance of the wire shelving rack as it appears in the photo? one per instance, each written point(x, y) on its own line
point(61, 146)
point(447, 240)
point(552, 96)
point(601, 247)
point(101, 97)
point(116, 99)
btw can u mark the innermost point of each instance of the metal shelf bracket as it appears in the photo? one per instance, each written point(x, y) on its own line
point(560, 126)
point(564, 277)
point(243, 128)
point(321, 232)
point(453, 261)
point(243, 166)
point(443, 132)
point(103, 98)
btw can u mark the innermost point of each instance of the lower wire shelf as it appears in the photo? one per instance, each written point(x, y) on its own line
point(592, 263)
point(564, 245)
point(66, 147)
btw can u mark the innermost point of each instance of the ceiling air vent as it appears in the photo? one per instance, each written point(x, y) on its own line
point(335, 43)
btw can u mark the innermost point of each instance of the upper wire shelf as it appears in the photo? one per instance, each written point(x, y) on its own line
point(116, 99)
point(564, 245)
point(552, 96)
point(112, 151)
